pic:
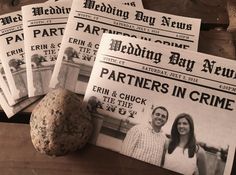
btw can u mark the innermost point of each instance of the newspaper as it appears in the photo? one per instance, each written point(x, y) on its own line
point(9, 105)
point(136, 3)
point(13, 88)
point(43, 26)
point(14, 109)
point(131, 77)
point(12, 53)
point(89, 19)
point(4, 89)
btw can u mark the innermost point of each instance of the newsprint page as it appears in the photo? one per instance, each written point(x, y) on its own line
point(89, 19)
point(7, 102)
point(135, 3)
point(12, 53)
point(5, 88)
point(166, 106)
point(44, 26)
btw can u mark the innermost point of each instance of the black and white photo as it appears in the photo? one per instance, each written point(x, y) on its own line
point(125, 88)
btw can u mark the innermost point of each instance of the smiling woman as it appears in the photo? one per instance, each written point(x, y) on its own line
point(183, 146)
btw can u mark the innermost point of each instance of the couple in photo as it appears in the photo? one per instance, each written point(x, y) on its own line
point(180, 153)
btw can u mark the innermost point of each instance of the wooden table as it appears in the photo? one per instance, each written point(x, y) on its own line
point(18, 156)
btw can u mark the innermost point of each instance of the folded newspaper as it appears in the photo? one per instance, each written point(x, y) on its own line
point(13, 71)
point(13, 90)
point(5, 88)
point(43, 25)
point(7, 102)
point(89, 19)
point(167, 106)
point(135, 3)
point(12, 53)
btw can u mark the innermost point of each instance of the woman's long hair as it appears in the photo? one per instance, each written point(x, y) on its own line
point(175, 136)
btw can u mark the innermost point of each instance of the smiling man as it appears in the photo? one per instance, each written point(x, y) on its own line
point(146, 142)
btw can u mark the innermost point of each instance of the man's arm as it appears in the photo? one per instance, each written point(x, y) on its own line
point(130, 141)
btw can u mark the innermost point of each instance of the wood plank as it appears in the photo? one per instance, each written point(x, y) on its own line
point(210, 11)
point(7, 6)
point(18, 156)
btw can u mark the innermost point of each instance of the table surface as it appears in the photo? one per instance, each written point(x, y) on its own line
point(18, 156)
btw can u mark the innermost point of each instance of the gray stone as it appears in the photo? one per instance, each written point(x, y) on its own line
point(59, 124)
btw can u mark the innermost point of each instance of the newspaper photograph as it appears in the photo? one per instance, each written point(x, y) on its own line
point(43, 26)
point(166, 106)
point(89, 19)
point(8, 104)
point(4, 88)
point(12, 53)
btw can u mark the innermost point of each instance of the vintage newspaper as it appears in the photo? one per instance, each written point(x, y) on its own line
point(4, 88)
point(43, 26)
point(89, 19)
point(9, 105)
point(13, 88)
point(133, 3)
point(12, 53)
point(20, 105)
point(131, 77)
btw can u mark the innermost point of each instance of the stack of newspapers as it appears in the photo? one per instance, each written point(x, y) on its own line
point(127, 61)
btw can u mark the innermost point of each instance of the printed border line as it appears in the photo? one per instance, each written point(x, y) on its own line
point(172, 71)
point(136, 24)
point(134, 30)
point(46, 24)
point(169, 77)
point(46, 19)
point(12, 27)
point(11, 32)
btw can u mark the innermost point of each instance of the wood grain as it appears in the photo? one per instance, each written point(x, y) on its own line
point(18, 157)
point(7, 6)
point(210, 11)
